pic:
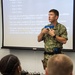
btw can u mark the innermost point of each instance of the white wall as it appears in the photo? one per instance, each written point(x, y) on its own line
point(30, 60)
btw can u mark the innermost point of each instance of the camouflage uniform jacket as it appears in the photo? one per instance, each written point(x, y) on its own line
point(50, 42)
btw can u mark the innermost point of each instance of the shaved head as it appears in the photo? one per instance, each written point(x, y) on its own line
point(59, 64)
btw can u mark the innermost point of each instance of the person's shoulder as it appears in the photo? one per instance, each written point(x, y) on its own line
point(61, 25)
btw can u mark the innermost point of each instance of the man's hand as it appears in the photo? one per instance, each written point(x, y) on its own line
point(44, 31)
point(40, 36)
point(51, 32)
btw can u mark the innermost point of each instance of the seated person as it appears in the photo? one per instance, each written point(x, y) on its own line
point(59, 64)
point(10, 65)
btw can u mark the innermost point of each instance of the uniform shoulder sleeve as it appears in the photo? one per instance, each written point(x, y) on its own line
point(63, 32)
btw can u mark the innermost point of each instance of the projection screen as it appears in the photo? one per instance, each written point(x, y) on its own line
point(24, 19)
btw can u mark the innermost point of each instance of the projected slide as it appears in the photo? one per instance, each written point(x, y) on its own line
point(24, 19)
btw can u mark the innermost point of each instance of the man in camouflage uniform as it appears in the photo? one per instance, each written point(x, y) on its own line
point(53, 38)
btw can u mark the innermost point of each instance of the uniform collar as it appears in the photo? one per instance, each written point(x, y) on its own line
point(55, 27)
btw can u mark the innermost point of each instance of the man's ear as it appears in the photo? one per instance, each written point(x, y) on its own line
point(46, 71)
point(56, 17)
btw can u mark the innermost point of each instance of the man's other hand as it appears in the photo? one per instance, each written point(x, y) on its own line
point(45, 31)
point(51, 32)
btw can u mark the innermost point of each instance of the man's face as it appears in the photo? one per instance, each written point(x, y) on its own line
point(52, 17)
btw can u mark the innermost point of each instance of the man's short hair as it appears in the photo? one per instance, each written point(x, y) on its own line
point(56, 12)
point(59, 64)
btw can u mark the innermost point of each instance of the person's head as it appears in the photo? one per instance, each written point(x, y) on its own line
point(10, 65)
point(59, 64)
point(53, 15)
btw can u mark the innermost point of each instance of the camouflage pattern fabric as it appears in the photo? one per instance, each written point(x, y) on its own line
point(50, 42)
point(44, 61)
